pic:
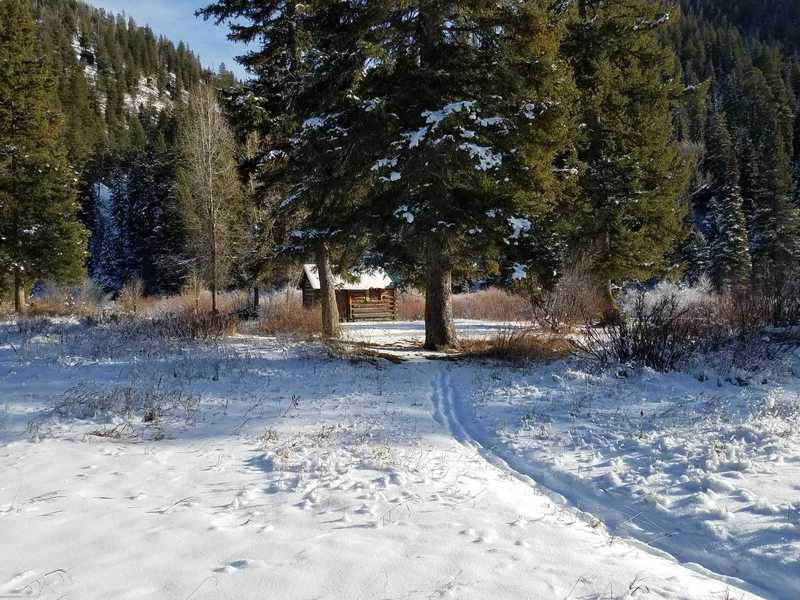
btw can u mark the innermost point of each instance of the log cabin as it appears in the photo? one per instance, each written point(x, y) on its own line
point(365, 296)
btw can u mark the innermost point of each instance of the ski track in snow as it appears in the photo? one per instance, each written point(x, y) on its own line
point(451, 411)
point(294, 477)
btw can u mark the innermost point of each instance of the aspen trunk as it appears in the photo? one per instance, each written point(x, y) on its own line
point(19, 294)
point(330, 311)
point(440, 331)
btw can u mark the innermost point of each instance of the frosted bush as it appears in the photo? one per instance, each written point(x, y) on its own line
point(684, 296)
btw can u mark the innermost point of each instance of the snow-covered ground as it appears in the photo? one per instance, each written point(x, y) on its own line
point(406, 336)
point(264, 468)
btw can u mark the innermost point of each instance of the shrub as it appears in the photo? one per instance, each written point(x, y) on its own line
point(659, 333)
point(756, 309)
point(130, 297)
point(491, 304)
point(194, 301)
point(518, 346)
point(146, 402)
point(665, 327)
point(575, 299)
point(201, 326)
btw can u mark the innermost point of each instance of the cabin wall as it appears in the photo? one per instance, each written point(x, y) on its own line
point(357, 305)
point(310, 295)
point(372, 305)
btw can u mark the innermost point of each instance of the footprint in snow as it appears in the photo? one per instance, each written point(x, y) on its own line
point(487, 537)
point(240, 565)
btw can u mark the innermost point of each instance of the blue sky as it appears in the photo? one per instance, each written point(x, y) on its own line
point(175, 19)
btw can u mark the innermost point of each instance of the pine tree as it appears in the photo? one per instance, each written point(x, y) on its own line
point(470, 114)
point(634, 174)
point(730, 255)
point(773, 220)
point(40, 236)
point(301, 118)
point(447, 144)
point(696, 255)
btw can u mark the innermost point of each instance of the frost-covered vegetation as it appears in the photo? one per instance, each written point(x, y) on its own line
point(228, 453)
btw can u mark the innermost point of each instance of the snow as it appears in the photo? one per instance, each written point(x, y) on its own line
point(519, 225)
point(415, 138)
point(434, 117)
point(148, 95)
point(404, 212)
point(384, 162)
point(318, 122)
point(273, 470)
point(520, 272)
point(487, 158)
point(375, 278)
point(706, 472)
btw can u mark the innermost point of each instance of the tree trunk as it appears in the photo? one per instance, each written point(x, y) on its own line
point(611, 311)
point(214, 275)
point(607, 294)
point(19, 294)
point(256, 300)
point(440, 331)
point(330, 310)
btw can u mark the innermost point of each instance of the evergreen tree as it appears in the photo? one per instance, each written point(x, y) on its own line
point(696, 255)
point(774, 224)
point(730, 256)
point(300, 107)
point(473, 105)
point(40, 236)
point(438, 125)
point(743, 49)
point(634, 174)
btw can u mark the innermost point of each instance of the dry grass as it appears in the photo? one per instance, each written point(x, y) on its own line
point(358, 352)
point(6, 311)
point(198, 302)
point(492, 304)
point(131, 297)
point(284, 314)
point(63, 301)
point(518, 346)
point(410, 305)
point(196, 326)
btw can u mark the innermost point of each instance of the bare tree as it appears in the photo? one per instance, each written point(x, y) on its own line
point(209, 188)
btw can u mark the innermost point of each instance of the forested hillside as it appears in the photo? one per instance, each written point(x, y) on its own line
point(742, 70)
point(775, 21)
point(119, 88)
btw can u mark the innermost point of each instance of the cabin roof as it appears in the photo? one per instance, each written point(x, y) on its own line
point(371, 279)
